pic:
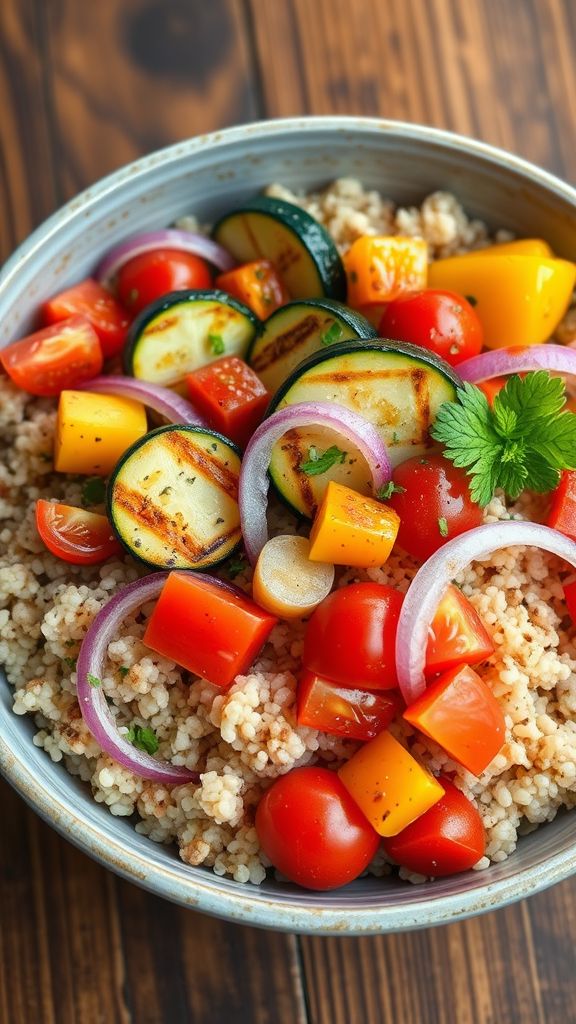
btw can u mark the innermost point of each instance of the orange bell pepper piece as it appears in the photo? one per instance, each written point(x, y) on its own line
point(351, 529)
point(257, 285)
point(380, 268)
point(389, 785)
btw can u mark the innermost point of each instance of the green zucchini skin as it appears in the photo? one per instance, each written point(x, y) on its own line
point(297, 330)
point(172, 500)
point(175, 335)
point(396, 386)
point(299, 247)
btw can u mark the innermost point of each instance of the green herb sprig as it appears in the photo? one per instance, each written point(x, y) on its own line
point(319, 463)
point(143, 738)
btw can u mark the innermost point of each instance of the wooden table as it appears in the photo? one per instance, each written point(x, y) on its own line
point(85, 87)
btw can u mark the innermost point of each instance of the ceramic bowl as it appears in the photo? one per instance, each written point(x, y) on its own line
point(207, 175)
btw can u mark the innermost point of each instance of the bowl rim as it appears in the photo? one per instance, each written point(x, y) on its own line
point(163, 879)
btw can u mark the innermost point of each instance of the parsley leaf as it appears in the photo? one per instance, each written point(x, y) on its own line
point(216, 342)
point(443, 526)
point(521, 442)
point(143, 738)
point(317, 464)
point(94, 681)
point(236, 566)
point(332, 334)
point(387, 490)
point(123, 670)
point(93, 491)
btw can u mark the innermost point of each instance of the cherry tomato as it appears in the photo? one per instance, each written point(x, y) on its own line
point(351, 636)
point(101, 310)
point(75, 535)
point(342, 711)
point(56, 358)
point(434, 505)
point(457, 635)
point(446, 839)
point(153, 274)
point(441, 321)
point(312, 830)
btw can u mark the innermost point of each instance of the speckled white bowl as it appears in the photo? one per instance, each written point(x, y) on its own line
point(207, 175)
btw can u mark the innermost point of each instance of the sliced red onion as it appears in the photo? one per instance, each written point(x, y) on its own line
point(253, 490)
point(432, 579)
point(91, 664)
point(167, 403)
point(518, 359)
point(169, 238)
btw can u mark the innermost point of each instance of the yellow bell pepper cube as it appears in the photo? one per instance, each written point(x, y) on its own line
point(389, 785)
point(351, 529)
point(380, 268)
point(519, 299)
point(518, 247)
point(93, 431)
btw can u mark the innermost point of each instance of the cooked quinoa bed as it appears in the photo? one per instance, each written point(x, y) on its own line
point(243, 739)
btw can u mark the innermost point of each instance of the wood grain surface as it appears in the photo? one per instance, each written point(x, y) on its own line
point(85, 87)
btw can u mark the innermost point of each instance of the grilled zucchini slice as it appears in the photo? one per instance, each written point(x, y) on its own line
point(173, 498)
point(299, 247)
point(397, 386)
point(185, 330)
point(296, 331)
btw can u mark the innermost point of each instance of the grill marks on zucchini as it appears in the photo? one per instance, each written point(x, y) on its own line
point(172, 500)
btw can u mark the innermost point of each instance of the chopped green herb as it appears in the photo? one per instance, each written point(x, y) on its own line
point(236, 566)
point(94, 681)
point(443, 526)
point(217, 345)
point(167, 490)
point(70, 643)
point(260, 273)
point(93, 491)
point(123, 670)
point(333, 333)
point(471, 299)
point(388, 490)
point(145, 739)
point(71, 662)
point(522, 441)
point(317, 464)
point(395, 437)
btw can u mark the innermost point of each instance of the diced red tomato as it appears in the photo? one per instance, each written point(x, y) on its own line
point(448, 838)
point(570, 598)
point(434, 504)
point(312, 831)
point(441, 321)
point(90, 300)
point(457, 635)
point(54, 359)
point(351, 637)
point(461, 713)
point(75, 535)
point(342, 711)
point(257, 285)
point(562, 514)
point(151, 275)
point(209, 630)
point(231, 397)
point(492, 387)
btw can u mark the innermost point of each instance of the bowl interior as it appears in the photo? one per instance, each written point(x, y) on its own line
point(207, 176)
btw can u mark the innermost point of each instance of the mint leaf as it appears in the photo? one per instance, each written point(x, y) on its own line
point(93, 491)
point(332, 334)
point(317, 464)
point(387, 490)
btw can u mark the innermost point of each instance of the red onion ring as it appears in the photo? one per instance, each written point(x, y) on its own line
point(91, 661)
point(432, 579)
point(253, 489)
point(169, 238)
point(167, 403)
point(518, 359)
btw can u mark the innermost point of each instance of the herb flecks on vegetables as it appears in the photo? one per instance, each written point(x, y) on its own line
point(331, 335)
point(217, 344)
point(94, 681)
point(522, 442)
point(385, 492)
point(143, 738)
point(443, 526)
point(319, 463)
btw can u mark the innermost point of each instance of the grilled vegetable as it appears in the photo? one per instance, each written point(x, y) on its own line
point(302, 251)
point(93, 431)
point(396, 386)
point(286, 582)
point(351, 529)
point(299, 329)
point(185, 330)
point(257, 284)
point(380, 269)
point(172, 499)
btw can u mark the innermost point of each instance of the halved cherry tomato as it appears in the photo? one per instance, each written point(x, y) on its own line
point(434, 505)
point(257, 285)
point(75, 535)
point(231, 397)
point(90, 300)
point(562, 514)
point(342, 711)
point(312, 830)
point(448, 838)
point(460, 712)
point(457, 635)
point(153, 274)
point(351, 636)
point(441, 321)
point(54, 359)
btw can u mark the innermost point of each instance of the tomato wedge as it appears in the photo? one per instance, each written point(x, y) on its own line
point(340, 711)
point(54, 359)
point(231, 397)
point(457, 635)
point(75, 535)
point(90, 300)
